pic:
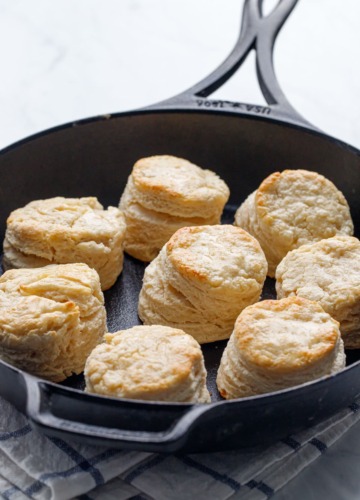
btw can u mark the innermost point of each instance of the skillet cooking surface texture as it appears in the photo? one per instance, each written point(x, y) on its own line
point(243, 144)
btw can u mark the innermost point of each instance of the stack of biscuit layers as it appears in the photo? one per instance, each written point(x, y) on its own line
point(153, 363)
point(66, 230)
point(163, 194)
point(327, 272)
point(278, 344)
point(293, 208)
point(51, 318)
point(202, 279)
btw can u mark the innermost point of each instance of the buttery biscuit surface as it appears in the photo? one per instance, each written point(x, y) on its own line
point(328, 272)
point(178, 187)
point(218, 256)
point(202, 279)
point(279, 344)
point(65, 230)
point(50, 318)
point(293, 208)
point(285, 335)
point(149, 363)
point(163, 194)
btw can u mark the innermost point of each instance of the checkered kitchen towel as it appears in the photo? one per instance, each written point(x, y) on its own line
point(34, 466)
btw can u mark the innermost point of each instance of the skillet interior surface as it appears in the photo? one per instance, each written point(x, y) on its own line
point(95, 157)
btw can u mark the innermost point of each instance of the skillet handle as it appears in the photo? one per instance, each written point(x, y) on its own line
point(62, 412)
point(257, 33)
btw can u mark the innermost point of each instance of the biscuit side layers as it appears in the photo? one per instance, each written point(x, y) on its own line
point(279, 344)
point(327, 272)
point(202, 279)
point(50, 319)
point(66, 230)
point(292, 208)
point(163, 194)
point(153, 363)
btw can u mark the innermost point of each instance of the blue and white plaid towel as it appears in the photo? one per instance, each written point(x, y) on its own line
point(33, 466)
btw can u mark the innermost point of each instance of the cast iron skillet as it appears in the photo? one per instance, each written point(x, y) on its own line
point(243, 143)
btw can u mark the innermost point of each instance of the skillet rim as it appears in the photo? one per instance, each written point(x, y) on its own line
point(159, 108)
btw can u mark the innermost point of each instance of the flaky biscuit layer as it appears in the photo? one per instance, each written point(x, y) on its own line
point(201, 280)
point(50, 318)
point(147, 230)
point(164, 194)
point(328, 272)
point(279, 344)
point(293, 208)
point(178, 187)
point(162, 304)
point(155, 363)
point(66, 230)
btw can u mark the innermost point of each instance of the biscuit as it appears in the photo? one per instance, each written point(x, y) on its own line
point(154, 363)
point(50, 318)
point(202, 279)
point(66, 230)
point(328, 272)
point(163, 194)
point(278, 344)
point(292, 208)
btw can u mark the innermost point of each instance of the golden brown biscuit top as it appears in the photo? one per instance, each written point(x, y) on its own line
point(142, 360)
point(85, 216)
point(300, 206)
point(285, 335)
point(176, 180)
point(327, 271)
point(42, 227)
point(220, 256)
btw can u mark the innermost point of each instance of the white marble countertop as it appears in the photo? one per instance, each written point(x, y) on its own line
point(70, 59)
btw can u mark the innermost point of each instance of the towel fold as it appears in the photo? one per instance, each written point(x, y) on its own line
point(34, 466)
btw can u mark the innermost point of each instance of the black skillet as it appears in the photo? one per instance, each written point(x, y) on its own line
point(243, 143)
